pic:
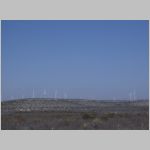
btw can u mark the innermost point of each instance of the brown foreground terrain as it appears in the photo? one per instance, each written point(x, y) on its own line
point(44, 114)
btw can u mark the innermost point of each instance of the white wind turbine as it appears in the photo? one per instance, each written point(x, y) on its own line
point(33, 94)
point(65, 95)
point(134, 95)
point(44, 93)
point(130, 96)
point(55, 95)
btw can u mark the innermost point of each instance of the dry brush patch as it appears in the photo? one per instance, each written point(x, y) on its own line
point(74, 115)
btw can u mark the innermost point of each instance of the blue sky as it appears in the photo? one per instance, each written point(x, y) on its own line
point(84, 59)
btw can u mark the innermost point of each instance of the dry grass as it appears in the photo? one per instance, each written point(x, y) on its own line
point(75, 121)
point(74, 115)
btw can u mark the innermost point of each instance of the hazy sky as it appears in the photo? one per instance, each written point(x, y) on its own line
point(84, 59)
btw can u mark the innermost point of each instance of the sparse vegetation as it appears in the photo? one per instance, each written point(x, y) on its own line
point(104, 117)
point(87, 116)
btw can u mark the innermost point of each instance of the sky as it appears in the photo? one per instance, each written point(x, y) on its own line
point(92, 59)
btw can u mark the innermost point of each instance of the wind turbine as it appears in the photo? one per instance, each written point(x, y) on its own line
point(33, 94)
point(44, 93)
point(130, 96)
point(55, 96)
point(134, 95)
point(65, 96)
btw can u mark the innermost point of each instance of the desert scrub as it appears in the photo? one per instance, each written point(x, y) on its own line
point(96, 123)
point(87, 116)
point(107, 116)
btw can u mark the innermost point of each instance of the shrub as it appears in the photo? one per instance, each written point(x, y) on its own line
point(89, 116)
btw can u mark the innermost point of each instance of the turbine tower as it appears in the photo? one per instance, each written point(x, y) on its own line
point(130, 96)
point(44, 93)
point(33, 94)
point(134, 95)
point(55, 96)
point(65, 95)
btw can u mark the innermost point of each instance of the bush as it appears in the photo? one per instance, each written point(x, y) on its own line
point(105, 117)
point(89, 116)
